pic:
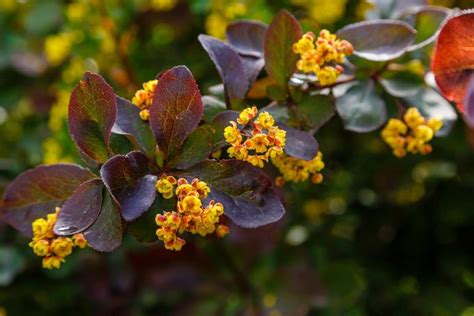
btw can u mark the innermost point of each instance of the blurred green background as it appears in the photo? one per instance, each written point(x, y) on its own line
point(380, 236)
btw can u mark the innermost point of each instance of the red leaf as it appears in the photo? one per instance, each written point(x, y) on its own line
point(453, 57)
point(92, 112)
point(280, 61)
point(36, 192)
point(176, 110)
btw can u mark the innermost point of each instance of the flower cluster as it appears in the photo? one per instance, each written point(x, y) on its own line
point(296, 170)
point(319, 56)
point(258, 145)
point(412, 134)
point(51, 247)
point(190, 215)
point(144, 98)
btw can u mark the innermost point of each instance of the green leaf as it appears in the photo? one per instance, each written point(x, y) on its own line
point(316, 110)
point(245, 191)
point(197, 147)
point(176, 110)
point(280, 61)
point(105, 234)
point(92, 112)
point(212, 106)
point(379, 40)
point(130, 124)
point(361, 109)
point(11, 263)
point(402, 84)
point(36, 192)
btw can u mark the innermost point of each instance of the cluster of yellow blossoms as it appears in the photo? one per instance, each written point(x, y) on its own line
point(190, 216)
point(296, 170)
point(317, 56)
point(143, 99)
point(51, 247)
point(264, 141)
point(412, 134)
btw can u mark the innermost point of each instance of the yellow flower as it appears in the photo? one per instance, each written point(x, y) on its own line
point(201, 188)
point(305, 44)
point(53, 262)
point(79, 241)
point(256, 160)
point(41, 247)
point(258, 142)
point(412, 135)
point(145, 114)
point(62, 246)
point(294, 169)
point(190, 203)
point(232, 133)
point(57, 48)
point(40, 228)
point(265, 120)
point(222, 230)
point(165, 186)
point(247, 115)
point(143, 98)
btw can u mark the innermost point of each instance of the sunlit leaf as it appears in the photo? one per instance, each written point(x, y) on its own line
point(92, 112)
point(453, 59)
point(176, 110)
point(280, 61)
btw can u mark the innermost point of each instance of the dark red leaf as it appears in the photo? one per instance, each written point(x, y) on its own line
point(280, 61)
point(469, 104)
point(176, 110)
point(129, 123)
point(453, 58)
point(92, 112)
point(245, 191)
point(229, 65)
point(36, 192)
point(81, 209)
point(128, 181)
point(379, 40)
point(106, 233)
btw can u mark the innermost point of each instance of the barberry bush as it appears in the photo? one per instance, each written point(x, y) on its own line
point(171, 161)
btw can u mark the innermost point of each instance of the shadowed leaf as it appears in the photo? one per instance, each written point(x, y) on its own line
point(361, 109)
point(105, 234)
point(299, 144)
point(81, 209)
point(229, 65)
point(316, 110)
point(280, 61)
point(176, 110)
point(402, 84)
point(469, 104)
point(128, 181)
point(129, 123)
point(247, 37)
point(453, 58)
point(245, 191)
point(36, 192)
point(212, 106)
point(92, 112)
point(379, 40)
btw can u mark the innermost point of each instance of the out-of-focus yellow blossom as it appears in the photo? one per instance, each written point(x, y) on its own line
point(48, 245)
point(296, 170)
point(143, 98)
point(321, 56)
point(163, 5)
point(7, 6)
point(76, 11)
point(222, 13)
point(190, 215)
point(3, 311)
point(58, 47)
point(260, 143)
point(323, 11)
point(412, 134)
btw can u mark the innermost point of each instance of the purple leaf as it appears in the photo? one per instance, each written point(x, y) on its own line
point(81, 209)
point(36, 192)
point(247, 37)
point(280, 61)
point(469, 104)
point(299, 144)
point(129, 123)
point(106, 233)
point(245, 191)
point(229, 65)
point(129, 184)
point(92, 112)
point(379, 40)
point(176, 110)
